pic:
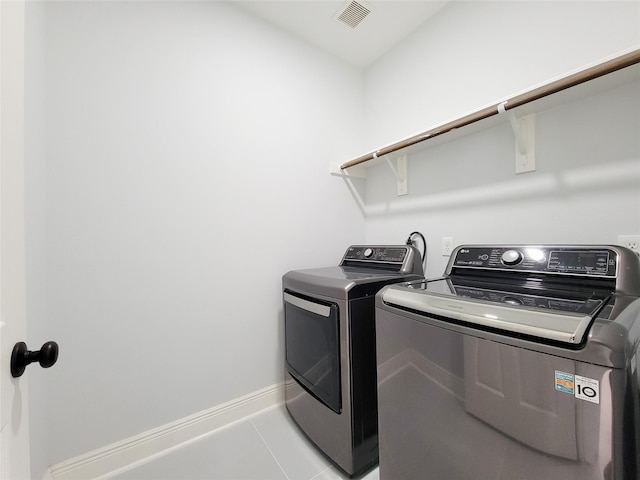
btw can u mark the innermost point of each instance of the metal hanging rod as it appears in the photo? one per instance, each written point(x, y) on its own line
point(586, 75)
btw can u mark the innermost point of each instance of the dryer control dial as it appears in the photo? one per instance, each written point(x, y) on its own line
point(511, 257)
point(368, 252)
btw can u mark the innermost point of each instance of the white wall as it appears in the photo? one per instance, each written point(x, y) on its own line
point(586, 188)
point(472, 54)
point(587, 184)
point(187, 148)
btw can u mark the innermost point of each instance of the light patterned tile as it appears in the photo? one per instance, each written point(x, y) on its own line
point(267, 446)
point(332, 473)
point(233, 453)
point(297, 456)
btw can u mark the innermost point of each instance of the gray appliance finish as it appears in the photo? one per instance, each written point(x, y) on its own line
point(330, 360)
point(521, 362)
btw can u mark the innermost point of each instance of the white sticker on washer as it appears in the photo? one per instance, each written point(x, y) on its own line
point(587, 389)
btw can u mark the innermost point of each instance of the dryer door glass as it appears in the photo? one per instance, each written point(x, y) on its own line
point(313, 346)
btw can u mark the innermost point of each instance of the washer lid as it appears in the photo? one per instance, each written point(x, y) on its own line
point(564, 319)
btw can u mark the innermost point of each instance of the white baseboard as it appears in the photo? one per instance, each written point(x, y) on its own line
point(108, 460)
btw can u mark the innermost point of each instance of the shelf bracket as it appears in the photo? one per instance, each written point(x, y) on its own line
point(357, 171)
point(524, 133)
point(400, 172)
point(399, 169)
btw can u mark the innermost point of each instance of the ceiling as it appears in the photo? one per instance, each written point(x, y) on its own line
point(315, 21)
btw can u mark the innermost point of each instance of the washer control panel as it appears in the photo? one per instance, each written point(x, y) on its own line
point(578, 260)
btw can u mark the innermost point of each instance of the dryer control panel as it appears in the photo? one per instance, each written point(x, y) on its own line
point(400, 258)
point(380, 254)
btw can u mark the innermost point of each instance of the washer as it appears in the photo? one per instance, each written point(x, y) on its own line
point(521, 362)
point(330, 360)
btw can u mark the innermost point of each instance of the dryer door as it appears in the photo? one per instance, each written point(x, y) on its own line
point(312, 344)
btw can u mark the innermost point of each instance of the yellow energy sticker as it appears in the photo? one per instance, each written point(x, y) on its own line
point(565, 382)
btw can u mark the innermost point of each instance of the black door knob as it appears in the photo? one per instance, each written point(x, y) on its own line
point(21, 357)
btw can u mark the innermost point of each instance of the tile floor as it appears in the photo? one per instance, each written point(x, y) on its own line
point(265, 446)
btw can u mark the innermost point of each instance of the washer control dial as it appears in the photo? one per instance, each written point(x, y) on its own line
point(368, 252)
point(511, 257)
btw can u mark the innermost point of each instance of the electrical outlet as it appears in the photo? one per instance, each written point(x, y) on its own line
point(630, 241)
point(447, 246)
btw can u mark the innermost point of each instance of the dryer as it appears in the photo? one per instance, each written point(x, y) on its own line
point(330, 359)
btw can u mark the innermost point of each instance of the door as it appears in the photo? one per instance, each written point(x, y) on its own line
point(14, 439)
point(312, 346)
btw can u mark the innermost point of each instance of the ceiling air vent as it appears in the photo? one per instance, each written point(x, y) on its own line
point(352, 13)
